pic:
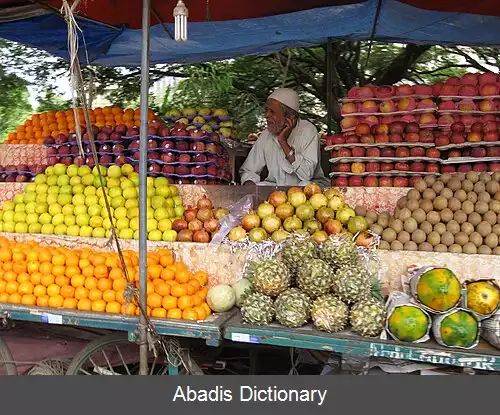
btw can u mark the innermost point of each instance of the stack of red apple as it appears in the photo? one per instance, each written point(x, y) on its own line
point(470, 99)
point(394, 154)
point(20, 173)
point(463, 148)
point(384, 104)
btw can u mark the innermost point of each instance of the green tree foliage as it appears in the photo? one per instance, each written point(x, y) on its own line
point(50, 101)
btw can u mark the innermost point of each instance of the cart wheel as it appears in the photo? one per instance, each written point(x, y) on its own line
point(114, 355)
point(7, 365)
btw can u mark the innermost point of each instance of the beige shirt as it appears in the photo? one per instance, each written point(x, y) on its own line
point(266, 152)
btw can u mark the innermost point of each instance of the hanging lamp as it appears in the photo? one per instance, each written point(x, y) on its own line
point(181, 15)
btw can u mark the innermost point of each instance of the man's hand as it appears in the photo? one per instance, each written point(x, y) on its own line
point(287, 129)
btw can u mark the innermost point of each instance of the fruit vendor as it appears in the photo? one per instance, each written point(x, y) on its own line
point(289, 147)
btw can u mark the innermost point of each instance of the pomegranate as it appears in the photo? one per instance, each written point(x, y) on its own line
point(205, 214)
point(185, 235)
point(250, 221)
point(201, 236)
point(195, 225)
point(277, 198)
point(211, 225)
point(204, 202)
point(190, 213)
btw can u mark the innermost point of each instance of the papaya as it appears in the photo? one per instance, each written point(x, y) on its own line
point(408, 323)
point(459, 329)
point(438, 289)
point(482, 297)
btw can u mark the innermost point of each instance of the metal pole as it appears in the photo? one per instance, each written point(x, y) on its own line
point(329, 84)
point(143, 167)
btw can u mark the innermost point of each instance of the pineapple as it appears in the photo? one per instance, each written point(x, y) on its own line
point(315, 278)
point(329, 314)
point(351, 283)
point(367, 317)
point(340, 249)
point(257, 308)
point(270, 277)
point(298, 251)
point(293, 308)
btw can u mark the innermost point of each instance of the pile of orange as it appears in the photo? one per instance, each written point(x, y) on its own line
point(39, 126)
point(58, 277)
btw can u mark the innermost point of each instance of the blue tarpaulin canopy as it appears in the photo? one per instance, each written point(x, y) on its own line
point(120, 45)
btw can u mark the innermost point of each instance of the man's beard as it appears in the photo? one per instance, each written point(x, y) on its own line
point(275, 129)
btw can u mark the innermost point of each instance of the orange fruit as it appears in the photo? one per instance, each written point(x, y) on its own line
point(97, 259)
point(5, 255)
point(78, 281)
point(42, 301)
point(115, 274)
point(18, 257)
point(72, 260)
point(58, 270)
point(19, 267)
point(128, 309)
point(58, 259)
point(84, 304)
point(99, 305)
point(185, 302)
point(189, 314)
point(101, 271)
point(154, 300)
point(25, 288)
point(182, 277)
point(91, 282)
point(180, 266)
point(166, 260)
point(150, 288)
point(208, 310)
point(202, 277)
point(159, 313)
point(157, 281)
point(2, 286)
point(154, 271)
point(62, 281)
point(202, 315)
point(83, 263)
point(113, 307)
point(87, 271)
point(14, 298)
point(23, 277)
point(167, 274)
point(111, 261)
point(162, 289)
point(12, 287)
point(45, 268)
point(32, 256)
point(7, 266)
point(10, 276)
point(39, 291)
point(71, 303)
point(109, 296)
point(56, 301)
point(72, 271)
point(68, 291)
point(119, 284)
point(174, 313)
point(169, 302)
point(119, 297)
point(32, 266)
point(95, 294)
point(81, 293)
point(190, 289)
point(203, 292)
point(195, 283)
point(28, 299)
point(178, 290)
point(197, 300)
point(104, 284)
point(53, 290)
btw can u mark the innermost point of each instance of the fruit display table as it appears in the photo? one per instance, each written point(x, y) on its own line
point(483, 357)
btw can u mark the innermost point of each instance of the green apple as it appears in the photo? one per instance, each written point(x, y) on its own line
point(86, 231)
point(66, 189)
point(150, 182)
point(64, 199)
point(117, 202)
point(131, 203)
point(102, 169)
point(157, 202)
point(99, 233)
point(77, 188)
point(40, 178)
point(120, 213)
point(177, 201)
point(96, 221)
point(115, 192)
point(126, 233)
point(8, 206)
point(34, 228)
point(94, 210)
point(59, 169)
point(174, 191)
point(163, 191)
point(30, 188)
point(133, 212)
point(72, 170)
point(179, 210)
point(45, 218)
point(130, 193)
point(155, 235)
point(99, 181)
point(47, 229)
point(52, 181)
point(21, 227)
point(75, 180)
point(114, 172)
point(41, 198)
point(134, 178)
point(8, 216)
point(31, 218)
point(42, 188)
point(169, 235)
point(57, 219)
point(9, 226)
point(60, 229)
point(105, 214)
point(63, 180)
point(69, 220)
point(73, 230)
point(136, 234)
point(100, 192)
point(88, 180)
point(49, 171)
point(122, 223)
point(126, 184)
point(52, 199)
point(68, 209)
point(106, 223)
point(169, 202)
point(84, 170)
point(89, 191)
point(161, 181)
point(108, 233)
point(53, 190)
point(91, 200)
point(19, 198)
point(54, 209)
point(152, 224)
point(30, 207)
point(151, 191)
point(41, 208)
point(80, 210)
point(134, 223)
point(113, 182)
point(160, 213)
point(164, 224)
point(20, 217)
point(127, 169)
point(78, 200)
point(30, 197)
point(82, 219)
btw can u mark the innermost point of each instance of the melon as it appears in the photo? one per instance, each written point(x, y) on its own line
point(221, 298)
point(438, 289)
point(240, 287)
point(459, 329)
point(408, 323)
point(482, 297)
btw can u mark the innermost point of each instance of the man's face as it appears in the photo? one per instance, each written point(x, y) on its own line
point(274, 117)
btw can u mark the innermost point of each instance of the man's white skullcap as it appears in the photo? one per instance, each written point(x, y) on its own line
point(286, 96)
